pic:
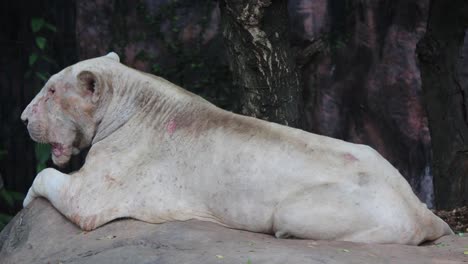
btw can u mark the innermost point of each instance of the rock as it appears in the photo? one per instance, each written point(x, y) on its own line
point(39, 234)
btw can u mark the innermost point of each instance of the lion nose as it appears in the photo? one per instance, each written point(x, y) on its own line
point(24, 116)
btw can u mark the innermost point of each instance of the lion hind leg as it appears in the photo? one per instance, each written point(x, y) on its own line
point(433, 226)
point(328, 214)
point(334, 213)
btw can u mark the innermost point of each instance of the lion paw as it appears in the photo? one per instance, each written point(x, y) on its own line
point(29, 197)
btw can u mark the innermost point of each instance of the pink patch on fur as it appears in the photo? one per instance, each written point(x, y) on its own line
point(349, 157)
point(171, 127)
point(57, 149)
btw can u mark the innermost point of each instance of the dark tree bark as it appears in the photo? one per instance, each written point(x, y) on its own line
point(361, 79)
point(445, 98)
point(262, 63)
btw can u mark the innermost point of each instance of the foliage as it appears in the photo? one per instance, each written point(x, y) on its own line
point(9, 198)
point(38, 62)
point(42, 30)
point(186, 62)
point(42, 152)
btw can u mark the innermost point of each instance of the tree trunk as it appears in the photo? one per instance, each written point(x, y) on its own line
point(261, 60)
point(445, 98)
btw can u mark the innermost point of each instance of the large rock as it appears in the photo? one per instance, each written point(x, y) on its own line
point(39, 234)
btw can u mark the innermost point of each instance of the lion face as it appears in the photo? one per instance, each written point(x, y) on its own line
point(63, 113)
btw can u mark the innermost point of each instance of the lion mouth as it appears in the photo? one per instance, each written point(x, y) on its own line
point(57, 149)
point(61, 153)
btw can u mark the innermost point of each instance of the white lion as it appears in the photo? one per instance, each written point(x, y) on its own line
point(159, 153)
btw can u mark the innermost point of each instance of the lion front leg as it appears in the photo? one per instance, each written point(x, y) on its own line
point(84, 207)
point(50, 184)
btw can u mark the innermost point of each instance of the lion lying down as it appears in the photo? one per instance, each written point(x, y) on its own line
point(159, 153)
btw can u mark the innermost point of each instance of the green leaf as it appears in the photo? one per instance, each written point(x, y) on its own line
point(42, 152)
point(49, 59)
point(17, 196)
point(156, 68)
point(465, 252)
point(4, 219)
point(51, 27)
point(42, 155)
point(41, 42)
point(40, 167)
point(41, 76)
point(249, 262)
point(32, 59)
point(7, 198)
point(36, 24)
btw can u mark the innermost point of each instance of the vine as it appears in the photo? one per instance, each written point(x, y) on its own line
point(38, 61)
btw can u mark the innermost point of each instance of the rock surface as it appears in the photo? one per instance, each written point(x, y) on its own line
point(39, 234)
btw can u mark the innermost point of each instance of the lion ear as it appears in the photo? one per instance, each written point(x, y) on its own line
point(112, 55)
point(89, 82)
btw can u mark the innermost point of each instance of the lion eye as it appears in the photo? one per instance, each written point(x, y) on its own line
point(52, 90)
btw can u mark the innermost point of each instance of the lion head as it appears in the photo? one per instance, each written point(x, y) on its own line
point(64, 113)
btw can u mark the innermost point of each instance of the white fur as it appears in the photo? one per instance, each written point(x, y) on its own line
point(161, 154)
point(112, 55)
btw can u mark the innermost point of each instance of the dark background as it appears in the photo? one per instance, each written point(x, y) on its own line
point(378, 72)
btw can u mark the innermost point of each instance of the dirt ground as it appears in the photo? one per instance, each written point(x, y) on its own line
point(456, 218)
